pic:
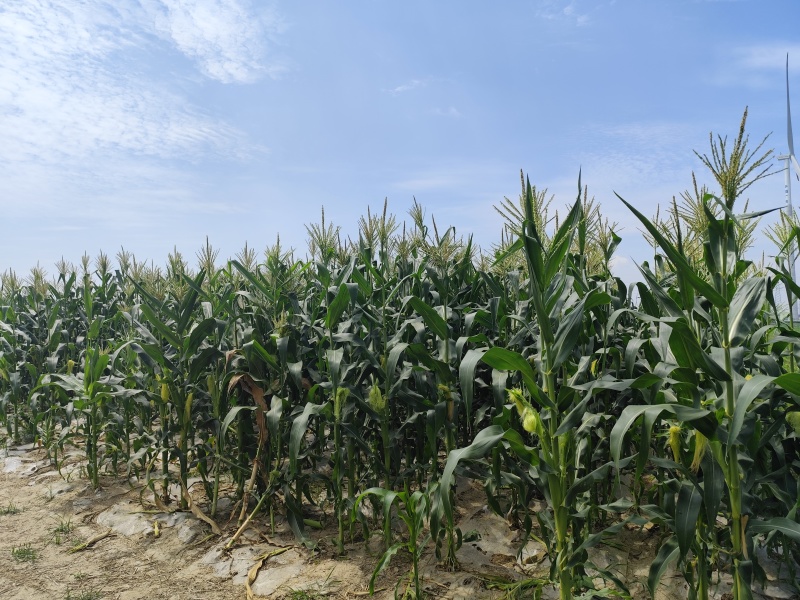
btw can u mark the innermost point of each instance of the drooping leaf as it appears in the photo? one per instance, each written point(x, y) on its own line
point(702, 420)
point(484, 441)
point(667, 554)
point(508, 360)
point(299, 427)
point(232, 415)
point(782, 525)
point(431, 318)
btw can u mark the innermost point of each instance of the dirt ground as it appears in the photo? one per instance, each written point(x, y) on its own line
point(137, 552)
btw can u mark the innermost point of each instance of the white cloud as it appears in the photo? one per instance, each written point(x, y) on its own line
point(450, 111)
point(407, 87)
point(561, 10)
point(72, 85)
point(227, 38)
point(768, 56)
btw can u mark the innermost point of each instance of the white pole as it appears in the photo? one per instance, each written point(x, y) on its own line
point(795, 308)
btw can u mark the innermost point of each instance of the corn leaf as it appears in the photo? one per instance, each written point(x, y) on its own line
point(744, 309)
point(466, 375)
point(508, 360)
point(667, 554)
point(678, 260)
point(750, 390)
point(431, 318)
point(702, 420)
point(690, 500)
point(689, 353)
point(337, 307)
point(782, 525)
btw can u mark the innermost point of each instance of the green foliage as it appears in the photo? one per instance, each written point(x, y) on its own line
point(10, 509)
point(24, 553)
point(377, 373)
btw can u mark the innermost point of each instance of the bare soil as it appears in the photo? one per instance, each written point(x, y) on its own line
point(141, 552)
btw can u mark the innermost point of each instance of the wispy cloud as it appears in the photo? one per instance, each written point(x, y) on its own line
point(68, 90)
point(407, 87)
point(450, 111)
point(570, 11)
point(226, 38)
point(756, 65)
point(456, 176)
point(768, 56)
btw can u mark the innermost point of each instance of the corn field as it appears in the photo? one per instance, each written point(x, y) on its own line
point(378, 371)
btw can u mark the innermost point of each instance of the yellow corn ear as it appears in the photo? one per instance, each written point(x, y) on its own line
point(376, 399)
point(211, 384)
point(675, 442)
point(70, 366)
point(338, 402)
point(515, 395)
point(187, 409)
point(530, 420)
point(164, 392)
point(700, 445)
point(793, 419)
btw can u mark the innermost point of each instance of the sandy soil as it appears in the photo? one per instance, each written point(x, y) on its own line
point(44, 514)
point(173, 556)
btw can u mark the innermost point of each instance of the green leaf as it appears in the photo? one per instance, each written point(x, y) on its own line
point(668, 306)
point(423, 356)
point(689, 353)
point(189, 303)
point(567, 334)
point(690, 501)
point(750, 390)
point(232, 415)
point(384, 562)
point(162, 328)
point(264, 354)
point(198, 335)
point(790, 382)
point(668, 553)
point(508, 360)
point(200, 362)
point(574, 416)
point(713, 484)
point(431, 318)
point(274, 417)
point(744, 309)
point(466, 375)
point(702, 420)
point(561, 242)
point(782, 525)
point(679, 261)
point(484, 441)
point(585, 482)
point(94, 328)
point(299, 426)
point(337, 307)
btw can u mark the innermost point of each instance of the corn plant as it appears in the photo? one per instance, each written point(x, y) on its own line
point(415, 508)
point(711, 339)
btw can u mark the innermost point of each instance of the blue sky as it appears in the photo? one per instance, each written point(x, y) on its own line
point(151, 124)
